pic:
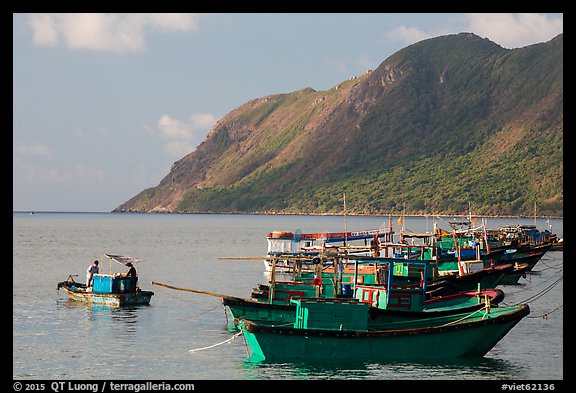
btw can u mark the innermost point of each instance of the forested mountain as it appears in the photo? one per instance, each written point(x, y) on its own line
point(441, 125)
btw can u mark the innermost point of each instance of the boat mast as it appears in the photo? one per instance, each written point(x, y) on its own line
point(345, 223)
point(426, 215)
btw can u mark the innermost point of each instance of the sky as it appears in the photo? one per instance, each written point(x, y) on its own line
point(104, 104)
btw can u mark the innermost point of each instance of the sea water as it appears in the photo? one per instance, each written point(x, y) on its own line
point(57, 339)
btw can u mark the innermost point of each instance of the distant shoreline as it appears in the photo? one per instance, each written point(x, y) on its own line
point(291, 214)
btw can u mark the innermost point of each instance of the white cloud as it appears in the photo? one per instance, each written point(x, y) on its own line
point(515, 30)
point(408, 35)
point(41, 175)
point(507, 30)
point(79, 173)
point(108, 32)
point(43, 30)
point(202, 121)
point(173, 128)
point(183, 137)
point(35, 149)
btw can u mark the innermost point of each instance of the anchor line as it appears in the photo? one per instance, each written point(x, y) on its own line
point(539, 295)
point(217, 344)
point(207, 311)
point(544, 291)
point(545, 315)
point(520, 289)
point(246, 345)
point(558, 266)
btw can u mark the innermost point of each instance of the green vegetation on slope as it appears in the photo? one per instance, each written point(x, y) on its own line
point(440, 125)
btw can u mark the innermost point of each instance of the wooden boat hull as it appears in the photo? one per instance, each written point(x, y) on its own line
point(530, 256)
point(109, 299)
point(258, 311)
point(558, 245)
point(486, 278)
point(282, 314)
point(434, 339)
point(512, 278)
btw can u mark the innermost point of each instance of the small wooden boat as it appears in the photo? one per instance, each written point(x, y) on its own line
point(108, 289)
point(338, 330)
point(78, 292)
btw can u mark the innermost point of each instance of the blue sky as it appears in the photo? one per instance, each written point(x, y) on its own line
point(103, 104)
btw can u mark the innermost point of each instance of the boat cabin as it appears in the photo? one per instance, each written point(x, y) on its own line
point(286, 242)
point(331, 314)
point(108, 283)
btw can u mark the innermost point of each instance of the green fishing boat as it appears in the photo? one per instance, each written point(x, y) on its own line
point(390, 300)
point(374, 270)
point(339, 330)
point(402, 305)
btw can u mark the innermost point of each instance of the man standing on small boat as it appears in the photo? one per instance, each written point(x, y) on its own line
point(92, 269)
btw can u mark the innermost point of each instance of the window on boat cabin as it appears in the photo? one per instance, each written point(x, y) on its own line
point(279, 245)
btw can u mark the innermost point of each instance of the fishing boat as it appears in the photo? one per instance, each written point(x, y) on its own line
point(339, 330)
point(529, 254)
point(114, 290)
point(558, 245)
point(475, 254)
point(359, 269)
point(283, 244)
point(402, 304)
point(512, 278)
point(391, 298)
point(526, 235)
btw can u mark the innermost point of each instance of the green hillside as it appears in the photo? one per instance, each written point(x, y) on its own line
point(439, 125)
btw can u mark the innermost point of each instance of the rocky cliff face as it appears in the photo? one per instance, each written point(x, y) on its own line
point(450, 118)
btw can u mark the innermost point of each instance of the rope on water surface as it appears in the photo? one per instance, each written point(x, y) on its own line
point(544, 291)
point(543, 262)
point(545, 316)
point(523, 287)
point(217, 344)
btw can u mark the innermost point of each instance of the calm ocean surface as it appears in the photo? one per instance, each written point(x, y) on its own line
point(54, 338)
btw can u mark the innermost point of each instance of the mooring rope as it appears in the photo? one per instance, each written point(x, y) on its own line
point(521, 287)
point(465, 317)
point(217, 344)
point(544, 291)
point(539, 295)
point(545, 315)
point(543, 262)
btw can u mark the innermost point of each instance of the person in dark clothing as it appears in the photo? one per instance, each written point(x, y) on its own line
point(133, 276)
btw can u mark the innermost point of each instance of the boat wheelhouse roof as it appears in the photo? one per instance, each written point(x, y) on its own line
point(421, 235)
point(331, 237)
point(123, 258)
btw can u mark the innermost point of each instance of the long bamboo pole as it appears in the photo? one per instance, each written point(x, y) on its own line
point(190, 290)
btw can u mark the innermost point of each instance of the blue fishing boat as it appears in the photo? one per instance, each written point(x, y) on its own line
point(114, 290)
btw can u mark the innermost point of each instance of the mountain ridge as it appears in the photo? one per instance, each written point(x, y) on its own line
point(439, 125)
